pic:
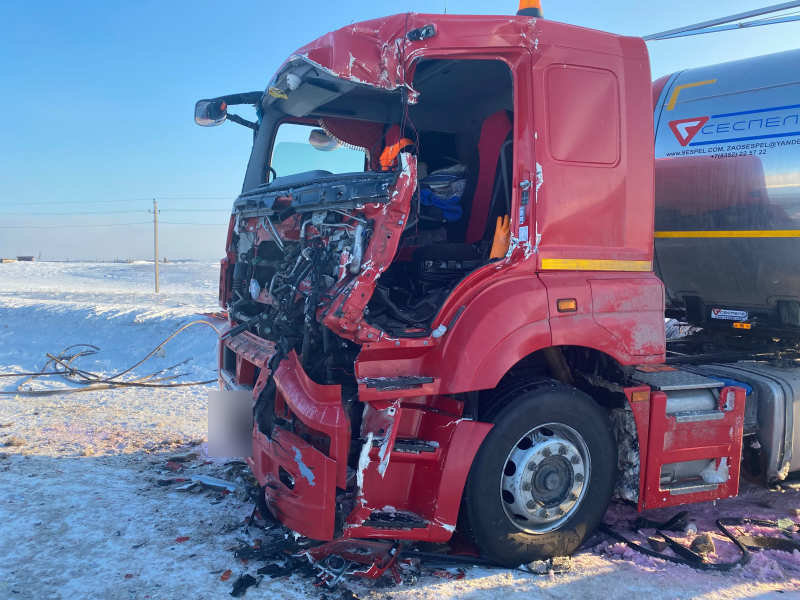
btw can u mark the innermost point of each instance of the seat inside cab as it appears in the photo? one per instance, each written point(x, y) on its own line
point(462, 132)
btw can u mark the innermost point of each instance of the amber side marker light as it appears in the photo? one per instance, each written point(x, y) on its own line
point(530, 8)
point(742, 325)
point(640, 396)
point(567, 305)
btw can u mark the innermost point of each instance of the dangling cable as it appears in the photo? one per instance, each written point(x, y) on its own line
point(93, 381)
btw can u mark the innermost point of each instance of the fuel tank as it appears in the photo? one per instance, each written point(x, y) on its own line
point(773, 410)
point(727, 184)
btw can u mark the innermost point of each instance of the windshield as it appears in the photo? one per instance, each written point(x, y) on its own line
point(293, 152)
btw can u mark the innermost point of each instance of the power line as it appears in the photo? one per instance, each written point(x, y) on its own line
point(227, 210)
point(24, 226)
point(197, 196)
point(189, 223)
point(72, 226)
point(723, 23)
point(110, 212)
point(65, 214)
point(118, 200)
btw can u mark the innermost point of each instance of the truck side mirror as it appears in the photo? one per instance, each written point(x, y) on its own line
point(208, 113)
point(320, 140)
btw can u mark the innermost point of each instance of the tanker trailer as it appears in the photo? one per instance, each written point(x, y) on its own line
point(727, 218)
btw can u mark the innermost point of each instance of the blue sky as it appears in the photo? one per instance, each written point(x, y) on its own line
point(99, 99)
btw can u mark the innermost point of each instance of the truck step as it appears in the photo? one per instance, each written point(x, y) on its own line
point(674, 379)
point(395, 520)
point(678, 489)
point(385, 384)
point(415, 446)
point(698, 416)
point(409, 446)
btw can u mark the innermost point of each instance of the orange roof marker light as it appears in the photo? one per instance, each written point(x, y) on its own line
point(530, 8)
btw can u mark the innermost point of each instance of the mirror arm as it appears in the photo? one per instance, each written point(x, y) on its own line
point(241, 121)
point(245, 98)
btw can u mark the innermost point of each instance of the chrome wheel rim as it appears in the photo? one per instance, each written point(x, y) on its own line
point(545, 477)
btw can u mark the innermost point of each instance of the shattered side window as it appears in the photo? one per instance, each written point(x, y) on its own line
point(300, 148)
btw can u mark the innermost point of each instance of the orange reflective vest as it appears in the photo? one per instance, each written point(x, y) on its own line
point(388, 157)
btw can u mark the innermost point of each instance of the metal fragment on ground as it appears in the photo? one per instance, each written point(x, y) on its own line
point(214, 482)
point(241, 585)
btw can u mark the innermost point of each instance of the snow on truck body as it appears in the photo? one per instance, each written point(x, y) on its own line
point(394, 364)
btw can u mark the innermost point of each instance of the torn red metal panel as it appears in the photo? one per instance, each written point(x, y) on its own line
point(225, 266)
point(631, 309)
point(254, 349)
point(423, 487)
point(299, 482)
point(356, 558)
point(318, 407)
point(345, 315)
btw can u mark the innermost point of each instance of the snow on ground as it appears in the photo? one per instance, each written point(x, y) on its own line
point(89, 506)
point(45, 307)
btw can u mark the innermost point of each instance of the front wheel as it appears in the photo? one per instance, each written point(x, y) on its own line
point(543, 477)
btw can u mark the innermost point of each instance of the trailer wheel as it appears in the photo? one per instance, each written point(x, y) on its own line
point(543, 477)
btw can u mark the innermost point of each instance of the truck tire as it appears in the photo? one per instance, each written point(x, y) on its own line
point(543, 477)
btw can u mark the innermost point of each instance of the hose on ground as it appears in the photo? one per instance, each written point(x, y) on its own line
point(687, 558)
point(61, 365)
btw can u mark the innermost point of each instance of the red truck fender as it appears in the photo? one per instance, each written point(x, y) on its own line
point(502, 324)
point(512, 318)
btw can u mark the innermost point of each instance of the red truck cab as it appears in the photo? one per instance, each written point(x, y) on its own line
point(403, 380)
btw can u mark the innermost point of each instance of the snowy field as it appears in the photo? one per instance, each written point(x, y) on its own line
point(89, 505)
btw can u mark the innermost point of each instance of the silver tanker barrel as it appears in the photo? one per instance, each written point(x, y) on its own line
point(727, 220)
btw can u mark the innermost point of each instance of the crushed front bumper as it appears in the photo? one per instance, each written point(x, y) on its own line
point(304, 458)
point(411, 468)
point(301, 469)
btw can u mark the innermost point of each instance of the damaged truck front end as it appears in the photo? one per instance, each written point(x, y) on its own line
point(306, 257)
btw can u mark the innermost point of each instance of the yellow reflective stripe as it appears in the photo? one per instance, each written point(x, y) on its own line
point(731, 233)
point(589, 264)
point(676, 92)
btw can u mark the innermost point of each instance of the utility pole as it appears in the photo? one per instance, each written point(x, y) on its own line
point(155, 240)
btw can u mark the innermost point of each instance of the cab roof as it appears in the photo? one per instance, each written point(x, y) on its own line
point(376, 52)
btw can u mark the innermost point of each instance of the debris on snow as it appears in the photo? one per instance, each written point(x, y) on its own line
point(555, 565)
point(241, 585)
point(658, 544)
point(214, 482)
point(703, 544)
